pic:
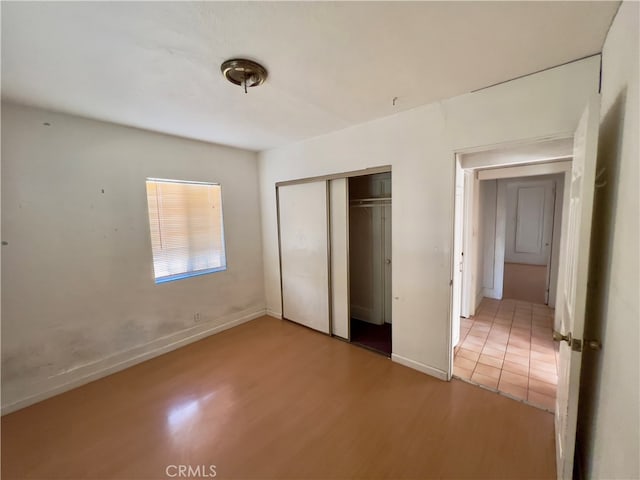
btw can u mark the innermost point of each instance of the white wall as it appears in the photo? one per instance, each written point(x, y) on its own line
point(77, 274)
point(489, 190)
point(477, 244)
point(419, 144)
point(560, 226)
point(609, 426)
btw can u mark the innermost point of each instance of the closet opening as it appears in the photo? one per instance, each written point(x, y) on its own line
point(370, 261)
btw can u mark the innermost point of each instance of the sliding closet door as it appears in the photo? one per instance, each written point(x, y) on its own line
point(304, 254)
point(339, 257)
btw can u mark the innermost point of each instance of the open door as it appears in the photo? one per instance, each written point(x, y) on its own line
point(571, 304)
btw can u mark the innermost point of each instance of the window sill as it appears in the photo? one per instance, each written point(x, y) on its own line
point(181, 276)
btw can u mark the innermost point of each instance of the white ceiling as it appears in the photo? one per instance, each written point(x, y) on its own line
point(156, 65)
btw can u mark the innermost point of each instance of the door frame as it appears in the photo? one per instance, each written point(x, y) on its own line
point(327, 178)
point(536, 156)
point(555, 168)
point(470, 189)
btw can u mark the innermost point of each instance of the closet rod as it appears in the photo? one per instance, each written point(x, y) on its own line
point(372, 200)
point(370, 205)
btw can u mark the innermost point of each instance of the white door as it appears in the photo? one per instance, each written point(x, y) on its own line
point(339, 212)
point(572, 301)
point(529, 221)
point(304, 256)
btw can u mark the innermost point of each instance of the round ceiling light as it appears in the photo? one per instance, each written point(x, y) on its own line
point(245, 73)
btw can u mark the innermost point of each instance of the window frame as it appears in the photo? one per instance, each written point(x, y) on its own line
point(194, 273)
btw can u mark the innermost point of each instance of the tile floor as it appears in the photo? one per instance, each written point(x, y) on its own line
point(507, 346)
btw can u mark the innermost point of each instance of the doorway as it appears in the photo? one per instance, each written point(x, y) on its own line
point(370, 261)
point(509, 225)
point(571, 289)
point(519, 221)
point(529, 238)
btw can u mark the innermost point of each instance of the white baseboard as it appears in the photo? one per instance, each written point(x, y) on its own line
point(491, 293)
point(76, 377)
point(421, 367)
point(479, 297)
point(273, 313)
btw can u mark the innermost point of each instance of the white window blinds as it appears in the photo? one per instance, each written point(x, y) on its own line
point(187, 234)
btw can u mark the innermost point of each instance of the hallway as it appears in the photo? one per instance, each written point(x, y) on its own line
point(507, 346)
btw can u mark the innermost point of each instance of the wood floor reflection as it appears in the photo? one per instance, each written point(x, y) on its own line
point(270, 399)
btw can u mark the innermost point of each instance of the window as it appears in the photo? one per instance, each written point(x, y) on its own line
point(187, 235)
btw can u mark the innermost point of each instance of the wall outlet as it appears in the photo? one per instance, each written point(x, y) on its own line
point(196, 317)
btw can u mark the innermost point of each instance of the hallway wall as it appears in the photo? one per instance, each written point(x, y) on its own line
point(490, 282)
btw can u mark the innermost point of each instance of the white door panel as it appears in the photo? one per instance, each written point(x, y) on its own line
point(339, 196)
point(572, 302)
point(529, 220)
point(530, 205)
point(304, 258)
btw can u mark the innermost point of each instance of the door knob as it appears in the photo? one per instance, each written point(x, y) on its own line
point(558, 337)
point(387, 261)
point(576, 343)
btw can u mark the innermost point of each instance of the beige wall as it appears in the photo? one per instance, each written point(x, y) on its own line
point(609, 427)
point(419, 144)
point(489, 190)
point(79, 299)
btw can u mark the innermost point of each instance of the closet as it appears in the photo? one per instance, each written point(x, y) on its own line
point(335, 255)
point(370, 260)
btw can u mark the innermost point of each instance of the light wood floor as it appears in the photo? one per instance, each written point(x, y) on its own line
point(270, 399)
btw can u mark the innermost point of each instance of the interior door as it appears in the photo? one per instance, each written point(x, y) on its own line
point(529, 221)
point(571, 305)
point(304, 254)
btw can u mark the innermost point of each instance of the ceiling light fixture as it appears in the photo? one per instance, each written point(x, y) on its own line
point(245, 73)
